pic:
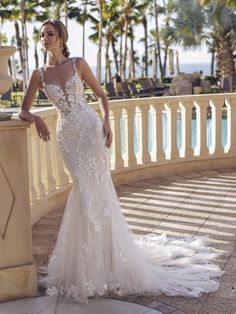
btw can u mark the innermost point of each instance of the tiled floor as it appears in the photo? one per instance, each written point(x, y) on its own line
point(193, 204)
point(54, 305)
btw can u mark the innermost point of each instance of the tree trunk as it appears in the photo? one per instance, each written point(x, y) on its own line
point(154, 62)
point(165, 60)
point(36, 56)
point(121, 54)
point(225, 57)
point(107, 79)
point(158, 45)
point(132, 54)
point(171, 62)
point(125, 50)
point(177, 63)
point(115, 54)
point(145, 44)
point(19, 42)
point(99, 53)
point(66, 13)
point(23, 45)
point(26, 53)
point(212, 62)
point(83, 40)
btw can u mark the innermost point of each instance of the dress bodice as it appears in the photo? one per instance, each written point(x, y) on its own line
point(67, 99)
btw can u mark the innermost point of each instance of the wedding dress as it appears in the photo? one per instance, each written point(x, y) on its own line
point(95, 253)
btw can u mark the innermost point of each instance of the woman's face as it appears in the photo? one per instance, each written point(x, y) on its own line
point(49, 38)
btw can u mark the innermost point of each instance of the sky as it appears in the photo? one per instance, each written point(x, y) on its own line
point(75, 45)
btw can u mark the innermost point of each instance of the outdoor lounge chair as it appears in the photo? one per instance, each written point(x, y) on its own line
point(158, 87)
point(135, 92)
point(6, 99)
point(42, 99)
point(148, 87)
point(123, 89)
point(111, 94)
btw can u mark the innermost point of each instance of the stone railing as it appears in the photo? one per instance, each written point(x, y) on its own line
point(147, 142)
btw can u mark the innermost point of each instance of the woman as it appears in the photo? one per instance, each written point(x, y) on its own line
point(95, 254)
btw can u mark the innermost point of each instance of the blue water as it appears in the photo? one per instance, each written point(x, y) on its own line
point(179, 131)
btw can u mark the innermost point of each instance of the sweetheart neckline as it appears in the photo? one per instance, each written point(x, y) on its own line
point(64, 87)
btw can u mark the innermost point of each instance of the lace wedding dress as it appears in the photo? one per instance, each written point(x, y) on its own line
point(95, 253)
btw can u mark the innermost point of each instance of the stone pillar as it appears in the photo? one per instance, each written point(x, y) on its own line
point(130, 136)
point(171, 113)
point(119, 162)
point(18, 276)
point(230, 148)
point(216, 147)
point(186, 150)
point(160, 154)
point(201, 148)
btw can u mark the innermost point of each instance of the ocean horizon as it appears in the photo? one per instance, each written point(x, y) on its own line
point(184, 67)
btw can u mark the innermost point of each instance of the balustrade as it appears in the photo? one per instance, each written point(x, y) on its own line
point(132, 128)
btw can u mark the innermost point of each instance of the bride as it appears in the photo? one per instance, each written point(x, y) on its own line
point(95, 253)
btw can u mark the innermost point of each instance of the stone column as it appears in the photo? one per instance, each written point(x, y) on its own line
point(201, 148)
point(186, 150)
point(18, 276)
point(171, 112)
point(216, 147)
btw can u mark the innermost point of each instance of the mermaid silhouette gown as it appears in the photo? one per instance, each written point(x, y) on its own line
point(95, 253)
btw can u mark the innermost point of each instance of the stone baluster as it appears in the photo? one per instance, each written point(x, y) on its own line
point(216, 147)
point(138, 121)
point(231, 134)
point(201, 148)
point(157, 134)
point(32, 189)
point(171, 115)
point(186, 150)
point(145, 155)
point(118, 162)
point(129, 135)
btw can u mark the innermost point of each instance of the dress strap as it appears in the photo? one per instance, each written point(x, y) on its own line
point(41, 72)
point(74, 65)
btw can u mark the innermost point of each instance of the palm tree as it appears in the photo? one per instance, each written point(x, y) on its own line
point(83, 15)
point(36, 40)
point(214, 22)
point(130, 14)
point(101, 3)
point(231, 4)
point(158, 44)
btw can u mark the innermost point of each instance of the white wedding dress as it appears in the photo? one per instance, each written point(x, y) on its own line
point(95, 253)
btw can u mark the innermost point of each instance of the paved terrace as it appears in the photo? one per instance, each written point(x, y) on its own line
point(190, 204)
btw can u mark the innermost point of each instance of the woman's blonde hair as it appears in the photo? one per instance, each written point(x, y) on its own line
point(62, 33)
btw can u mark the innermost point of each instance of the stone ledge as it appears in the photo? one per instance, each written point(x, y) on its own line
point(18, 282)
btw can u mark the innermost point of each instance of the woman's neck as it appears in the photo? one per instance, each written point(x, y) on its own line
point(56, 59)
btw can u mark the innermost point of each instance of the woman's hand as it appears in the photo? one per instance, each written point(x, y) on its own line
point(107, 132)
point(42, 128)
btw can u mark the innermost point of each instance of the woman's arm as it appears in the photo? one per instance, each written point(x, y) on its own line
point(25, 114)
point(88, 77)
point(34, 84)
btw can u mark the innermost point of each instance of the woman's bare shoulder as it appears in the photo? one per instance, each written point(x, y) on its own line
point(79, 65)
point(36, 77)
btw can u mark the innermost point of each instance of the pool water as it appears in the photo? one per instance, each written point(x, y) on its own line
point(179, 130)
